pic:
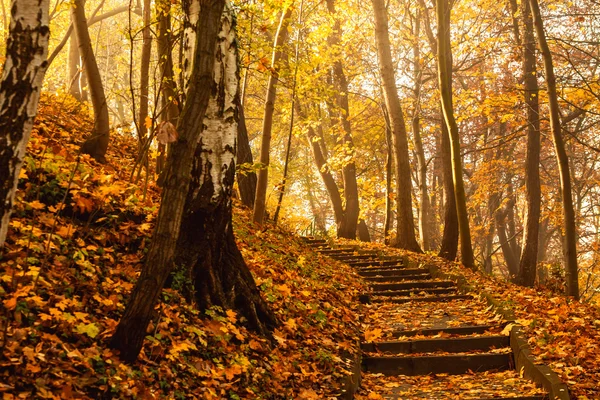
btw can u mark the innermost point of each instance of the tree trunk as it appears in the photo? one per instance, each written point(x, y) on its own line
point(206, 247)
point(405, 222)
point(528, 262)
point(97, 144)
point(449, 246)
point(352, 210)
point(260, 200)
point(130, 333)
point(246, 177)
point(74, 69)
point(22, 77)
point(363, 231)
point(388, 178)
point(444, 54)
point(570, 244)
point(168, 90)
point(145, 73)
point(424, 225)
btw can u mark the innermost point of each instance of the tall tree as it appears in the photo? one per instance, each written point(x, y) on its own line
point(168, 89)
point(145, 71)
point(22, 76)
point(208, 75)
point(424, 224)
point(97, 144)
point(260, 200)
point(570, 231)
point(339, 117)
point(528, 261)
point(450, 235)
point(405, 222)
point(444, 53)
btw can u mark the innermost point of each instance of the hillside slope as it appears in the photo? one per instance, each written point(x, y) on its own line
point(76, 244)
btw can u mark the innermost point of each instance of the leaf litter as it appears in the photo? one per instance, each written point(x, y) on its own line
point(76, 244)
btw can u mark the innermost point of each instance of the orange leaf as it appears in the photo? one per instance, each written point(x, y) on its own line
point(373, 335)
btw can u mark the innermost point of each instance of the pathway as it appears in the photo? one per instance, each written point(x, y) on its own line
point(423, 339)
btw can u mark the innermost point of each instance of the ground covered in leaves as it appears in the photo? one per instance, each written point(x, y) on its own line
point(564, 334)
point(76, 244)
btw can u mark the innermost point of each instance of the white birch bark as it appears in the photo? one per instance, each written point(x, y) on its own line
point(20, 87)
point(218, 140)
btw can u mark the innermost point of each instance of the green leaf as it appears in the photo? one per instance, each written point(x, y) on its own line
point(89, 329)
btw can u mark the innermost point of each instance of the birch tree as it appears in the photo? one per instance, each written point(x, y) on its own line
point(22, 77)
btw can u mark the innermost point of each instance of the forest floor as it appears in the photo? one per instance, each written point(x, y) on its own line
point(76, 244)
point(77, 240)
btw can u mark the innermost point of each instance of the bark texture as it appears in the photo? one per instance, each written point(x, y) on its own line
point(528, 261)
point(246, 177)
point(22, 76)
point(206, 248)
point(405, 221)
point(97, 144)
point(145, 72)
point(130, 333)
point(570, 231)
point(347, 227)
point(444, 53)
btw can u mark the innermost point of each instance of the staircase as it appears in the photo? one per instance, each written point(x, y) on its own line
point(423, 343)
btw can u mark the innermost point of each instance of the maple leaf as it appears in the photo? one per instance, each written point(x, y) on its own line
point(231, 316)
point(89, 329)
point(372, 335)
point(291, 325)
point(284, 290)
point(36, 205)
point(309, 394)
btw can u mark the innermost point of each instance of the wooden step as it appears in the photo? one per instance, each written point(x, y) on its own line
point(423, 299)
point(437, 364)
point(359, 264)
point(393, 272)
point(412, 285)
point(331, 251)
point(313, 240)
point(448, 345)
point(413, 292)
point(398, 278)
point(450, 330)
point(445, 395)
point(353, 257)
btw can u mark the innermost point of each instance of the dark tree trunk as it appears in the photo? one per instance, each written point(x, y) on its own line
point(570, 242)
point(169, 98)
point(528, 262)
point(130, 333)
point(145, 73)
point(22, 76)
point(444, 77)
point(405, 226)
point(246, 177)
point(349, 224)
point(97, 144)
point(449, 247)
point(389, 160)
point(363, 231)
